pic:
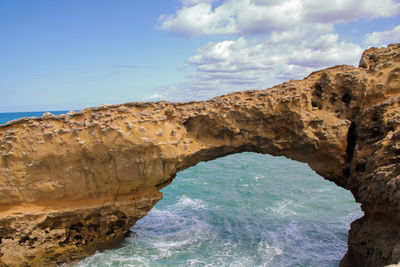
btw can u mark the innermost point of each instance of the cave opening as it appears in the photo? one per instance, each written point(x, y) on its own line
point(245, 209)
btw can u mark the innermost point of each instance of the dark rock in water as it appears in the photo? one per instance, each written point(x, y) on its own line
point(131, 234)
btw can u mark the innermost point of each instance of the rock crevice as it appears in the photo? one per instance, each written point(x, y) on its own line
point(75, 183)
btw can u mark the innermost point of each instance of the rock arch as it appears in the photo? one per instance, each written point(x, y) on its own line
point(75, 183)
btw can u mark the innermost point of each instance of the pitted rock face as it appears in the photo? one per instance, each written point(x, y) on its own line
point(75, 183)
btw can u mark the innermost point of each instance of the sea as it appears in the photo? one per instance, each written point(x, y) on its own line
point(245, 209)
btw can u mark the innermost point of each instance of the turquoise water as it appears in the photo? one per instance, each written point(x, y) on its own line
point(241, 210)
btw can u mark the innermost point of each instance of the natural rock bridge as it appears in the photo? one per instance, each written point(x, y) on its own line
point(75, 183)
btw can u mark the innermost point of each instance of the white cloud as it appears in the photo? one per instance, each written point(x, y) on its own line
point(383, 38)
point(199, 17)
point(156, 96)
point(297, 38)
point(242, 64)
point(342, 11)
point(195, 2)
point(324, 52)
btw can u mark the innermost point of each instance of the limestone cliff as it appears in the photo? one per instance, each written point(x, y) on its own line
point(75, 183)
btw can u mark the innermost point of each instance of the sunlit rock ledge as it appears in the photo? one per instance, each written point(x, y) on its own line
point(75, 183)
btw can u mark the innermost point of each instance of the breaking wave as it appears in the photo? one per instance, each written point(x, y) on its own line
point(241, 210)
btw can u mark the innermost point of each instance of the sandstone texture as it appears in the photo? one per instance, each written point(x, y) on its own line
point(75, 183)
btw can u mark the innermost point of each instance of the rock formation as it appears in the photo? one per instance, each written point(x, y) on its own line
point(75, 183)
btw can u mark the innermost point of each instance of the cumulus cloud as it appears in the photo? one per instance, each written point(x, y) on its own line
point(339, 11)
point(199, 17)
point(295, 37)
point(325, 51)
point(223, 67)
point(383, 38)
point(195, 2)
point(156, 97)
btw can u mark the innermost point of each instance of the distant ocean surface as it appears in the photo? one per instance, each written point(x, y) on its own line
point(5, 117)
point(245, 209)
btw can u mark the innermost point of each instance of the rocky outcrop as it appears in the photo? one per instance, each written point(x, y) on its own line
point(75, 183)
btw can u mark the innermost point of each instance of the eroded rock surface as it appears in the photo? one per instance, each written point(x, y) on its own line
point(75, 183)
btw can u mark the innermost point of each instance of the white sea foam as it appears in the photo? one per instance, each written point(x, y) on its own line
point(186, 202)
point(196, 262)
point(350, 217)
point(268, 252)
point(114, 258)
point(217, 231)
point(284, 207)
point(257, 177)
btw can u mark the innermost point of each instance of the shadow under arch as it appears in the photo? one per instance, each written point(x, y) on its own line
point(248, 209)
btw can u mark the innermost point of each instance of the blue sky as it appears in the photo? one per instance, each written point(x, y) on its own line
point(59, 55)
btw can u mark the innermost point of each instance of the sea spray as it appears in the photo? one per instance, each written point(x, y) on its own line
point(242, 210)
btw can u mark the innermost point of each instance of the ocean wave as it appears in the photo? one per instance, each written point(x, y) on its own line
point(257, 177)
point(272, 222)
point(186, 202)
point(114, 258)
point(284, 207)
point(268, 253)
point(168, 222)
